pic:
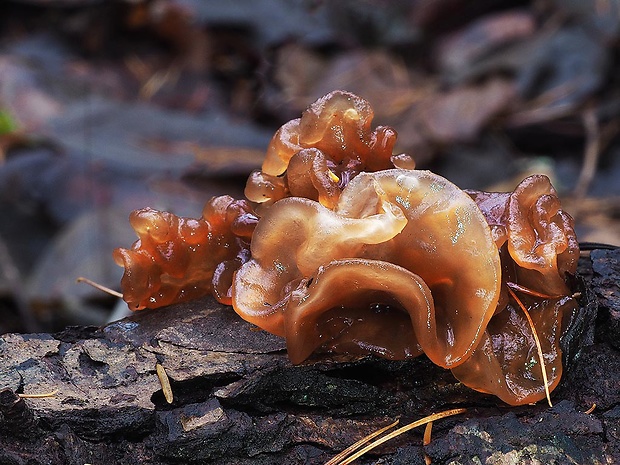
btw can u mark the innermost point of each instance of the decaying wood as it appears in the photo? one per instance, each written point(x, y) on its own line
point(236, 399)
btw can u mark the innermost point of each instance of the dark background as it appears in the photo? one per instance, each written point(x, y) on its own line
point(108, 106)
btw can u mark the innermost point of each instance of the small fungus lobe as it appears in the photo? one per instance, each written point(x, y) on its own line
point(177, 259)
point(317, 155)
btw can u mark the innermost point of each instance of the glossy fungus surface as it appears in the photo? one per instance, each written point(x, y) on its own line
point(177, 259)
point(506, 362)
point(413, 219)
point(541, 237)
point(357, 306)
point(538, 250)
point(337, 130)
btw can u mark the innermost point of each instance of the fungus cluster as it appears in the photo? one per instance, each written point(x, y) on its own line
point(178, 259)
point(344, 247)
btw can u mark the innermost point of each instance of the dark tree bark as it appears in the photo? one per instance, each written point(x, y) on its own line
point(238, 400)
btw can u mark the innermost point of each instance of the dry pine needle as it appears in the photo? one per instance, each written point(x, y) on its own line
point(358, 453)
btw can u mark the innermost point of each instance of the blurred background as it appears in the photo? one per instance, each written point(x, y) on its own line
point(108, 106)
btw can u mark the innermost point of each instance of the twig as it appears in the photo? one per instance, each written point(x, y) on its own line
point(591, 154)
point(165, 383)
point(101, 287)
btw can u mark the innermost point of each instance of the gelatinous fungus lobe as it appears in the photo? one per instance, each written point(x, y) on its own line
point(541, 236)
point(506, 363)
point(357, 306)
point(177, 259)
point(538, 250)
point(337, 130)
point(406, 243)
point(293, 238)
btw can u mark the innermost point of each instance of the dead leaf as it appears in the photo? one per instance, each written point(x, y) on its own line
point(483, 36)
point(459, 115)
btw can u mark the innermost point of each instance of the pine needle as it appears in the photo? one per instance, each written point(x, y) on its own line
point(538, 346)
point(528, 291)
point(39, 396)
point(336, 459)
point(427, 440)
point(101, 287)
point(591, 409)
point(398, 432)
point(165, 383)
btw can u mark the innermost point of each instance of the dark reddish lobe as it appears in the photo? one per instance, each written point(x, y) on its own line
point(175, 258)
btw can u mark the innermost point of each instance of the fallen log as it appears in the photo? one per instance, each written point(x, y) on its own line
point(193, 383)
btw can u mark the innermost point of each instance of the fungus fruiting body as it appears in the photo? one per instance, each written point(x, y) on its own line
point(177, 259)
point(342, 246)
point(316, 156)
point(538, 249)
point(420, 222)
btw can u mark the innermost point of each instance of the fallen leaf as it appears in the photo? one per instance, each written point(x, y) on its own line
point(459, 115)
point(481, 37)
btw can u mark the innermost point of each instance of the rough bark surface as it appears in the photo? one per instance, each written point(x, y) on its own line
point(238, 400)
